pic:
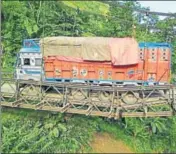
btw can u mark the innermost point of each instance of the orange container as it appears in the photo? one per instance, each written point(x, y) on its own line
point(153, 66)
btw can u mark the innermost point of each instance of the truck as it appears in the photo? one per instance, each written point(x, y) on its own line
point(95, 60)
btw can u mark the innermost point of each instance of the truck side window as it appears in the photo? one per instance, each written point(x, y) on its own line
point(38, 61)
point(26, 61)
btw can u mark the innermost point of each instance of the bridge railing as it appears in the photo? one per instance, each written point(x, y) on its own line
point(89, 99)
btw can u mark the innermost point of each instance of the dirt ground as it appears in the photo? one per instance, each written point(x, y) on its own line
point(104, 143)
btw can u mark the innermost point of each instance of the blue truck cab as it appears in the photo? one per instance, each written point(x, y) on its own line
point(29, 61)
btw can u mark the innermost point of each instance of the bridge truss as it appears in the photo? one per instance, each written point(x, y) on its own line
point(94, 100)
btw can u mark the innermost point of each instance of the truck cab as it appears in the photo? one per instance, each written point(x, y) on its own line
point(29, 61)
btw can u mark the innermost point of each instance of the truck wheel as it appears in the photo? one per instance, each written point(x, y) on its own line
point(163, 92)
point(35, 91)
point(130, 98)
point(79, 94)
point(104, 95)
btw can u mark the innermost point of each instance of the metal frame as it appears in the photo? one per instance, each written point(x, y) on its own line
point(89, 99)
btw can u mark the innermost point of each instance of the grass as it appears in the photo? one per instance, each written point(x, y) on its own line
point(22, 129)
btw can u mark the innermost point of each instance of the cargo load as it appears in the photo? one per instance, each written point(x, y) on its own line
point(118, 51)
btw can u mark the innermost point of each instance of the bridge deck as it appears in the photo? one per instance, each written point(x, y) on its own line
point(106, 101)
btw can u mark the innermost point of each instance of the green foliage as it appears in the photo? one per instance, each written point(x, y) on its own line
point(121, 20)
point(93, 7)
point(45, 133)
point(29, 131)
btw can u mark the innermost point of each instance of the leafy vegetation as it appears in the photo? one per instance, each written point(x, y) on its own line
point(93, 7)
point(27, 131)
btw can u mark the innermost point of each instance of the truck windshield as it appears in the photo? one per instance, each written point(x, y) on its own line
point(37, 42)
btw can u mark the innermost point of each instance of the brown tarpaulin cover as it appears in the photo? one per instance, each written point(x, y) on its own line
point(119, 51)
point(124, 51)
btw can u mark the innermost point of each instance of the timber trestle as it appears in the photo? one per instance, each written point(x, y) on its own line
point(95, 100)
